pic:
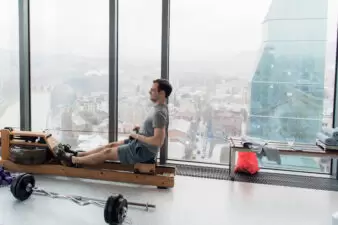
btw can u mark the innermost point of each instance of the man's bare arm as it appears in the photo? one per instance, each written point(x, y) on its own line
point(156, 140)
point(159, 125)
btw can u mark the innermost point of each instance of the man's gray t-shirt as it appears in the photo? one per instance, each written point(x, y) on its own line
point(157, 118)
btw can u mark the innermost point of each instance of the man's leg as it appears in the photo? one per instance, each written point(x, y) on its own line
point(123, 153)
point(97, 158)
point(93, 151)
point(99, 149)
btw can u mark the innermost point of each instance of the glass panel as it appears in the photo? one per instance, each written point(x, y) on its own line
point(273, 30)
point(267, 73)
point(69, 47)
point(9, 64)
point(139, 60)
point(211, 60)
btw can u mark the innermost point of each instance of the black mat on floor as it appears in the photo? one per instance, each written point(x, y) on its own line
point(309, 182)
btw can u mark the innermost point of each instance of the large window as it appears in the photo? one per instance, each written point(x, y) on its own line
point(69, 70)
point(265, 73)
point(139, 60)
point(9, 64)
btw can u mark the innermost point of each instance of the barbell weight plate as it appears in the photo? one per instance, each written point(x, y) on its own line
point(108, 209)
point(115, 210)
point(122, 206)
point(13, 185)
point(20, 188)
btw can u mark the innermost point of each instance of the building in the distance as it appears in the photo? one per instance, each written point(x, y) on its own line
point(287, 89)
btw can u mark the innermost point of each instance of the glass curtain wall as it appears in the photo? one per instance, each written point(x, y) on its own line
point(69, 70)
point(139, 60)
point(9, 64)
point(266, 73)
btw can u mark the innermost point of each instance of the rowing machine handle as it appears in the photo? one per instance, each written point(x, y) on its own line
point(137, 130)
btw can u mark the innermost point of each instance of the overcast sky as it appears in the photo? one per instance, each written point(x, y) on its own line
point(199, 28)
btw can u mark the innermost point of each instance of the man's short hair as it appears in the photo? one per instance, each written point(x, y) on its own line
point(164, 85)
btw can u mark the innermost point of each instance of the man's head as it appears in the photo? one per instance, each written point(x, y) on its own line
point(160, 90)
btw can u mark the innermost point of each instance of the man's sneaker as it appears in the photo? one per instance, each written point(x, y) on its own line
point(67, 148)
point(64, 157)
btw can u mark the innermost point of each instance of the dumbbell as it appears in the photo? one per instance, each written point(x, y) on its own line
point(5, 177)
point(6, 180)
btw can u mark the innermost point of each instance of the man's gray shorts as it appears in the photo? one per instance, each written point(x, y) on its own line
point(132, 152)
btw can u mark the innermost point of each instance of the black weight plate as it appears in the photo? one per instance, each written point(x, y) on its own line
point(26, 179)
point(113, 212)
point(108, 209)
point(121, 206)
point(13, 185)
point(20, 192)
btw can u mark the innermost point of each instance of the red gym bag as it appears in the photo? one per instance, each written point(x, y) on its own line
point(247, 162)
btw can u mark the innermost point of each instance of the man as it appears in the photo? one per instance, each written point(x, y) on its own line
point(140, 147)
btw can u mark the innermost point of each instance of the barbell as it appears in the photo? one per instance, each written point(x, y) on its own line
point(115, 207)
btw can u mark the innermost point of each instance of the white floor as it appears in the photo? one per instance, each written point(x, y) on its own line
point(192, 201)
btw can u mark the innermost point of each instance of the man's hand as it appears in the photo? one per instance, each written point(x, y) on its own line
point(136, 128)
point(133, 136)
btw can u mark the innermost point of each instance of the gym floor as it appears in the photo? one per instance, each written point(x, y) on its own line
point(192, 201)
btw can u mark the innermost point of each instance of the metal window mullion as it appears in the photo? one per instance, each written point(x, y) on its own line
point(113, 71)
point(334, 162)
point(165, 63)
point(24, 65)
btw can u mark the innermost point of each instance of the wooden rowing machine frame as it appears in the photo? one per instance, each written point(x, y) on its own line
point(146, 174)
